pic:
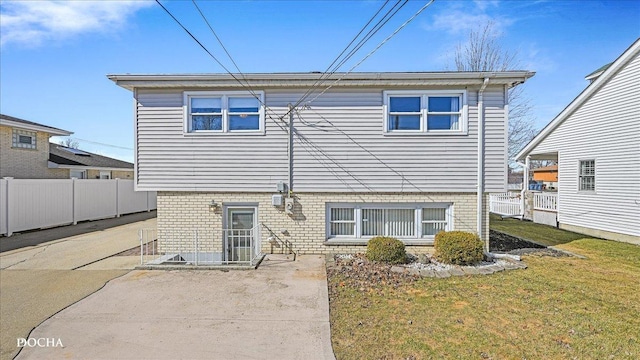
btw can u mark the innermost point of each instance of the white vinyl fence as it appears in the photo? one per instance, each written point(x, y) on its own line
point(507, 204)
point(27, 204)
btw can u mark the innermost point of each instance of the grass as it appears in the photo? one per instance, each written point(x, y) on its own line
point(541, 234)
point(557, 308)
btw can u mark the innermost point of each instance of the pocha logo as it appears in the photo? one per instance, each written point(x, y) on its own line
point(40, 342)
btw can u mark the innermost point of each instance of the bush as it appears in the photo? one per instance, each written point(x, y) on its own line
point(386, 249)
point(458, 247)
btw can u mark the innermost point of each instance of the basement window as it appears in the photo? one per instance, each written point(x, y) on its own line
point(407, 222)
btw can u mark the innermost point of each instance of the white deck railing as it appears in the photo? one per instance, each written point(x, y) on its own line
point(507, 204)
point(200, 247)
point(545, 201)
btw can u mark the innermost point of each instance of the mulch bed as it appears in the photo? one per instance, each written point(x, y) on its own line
point(360, 273)
point(501, 242)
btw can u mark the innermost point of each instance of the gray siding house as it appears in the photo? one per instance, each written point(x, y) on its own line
point(596, 142)
point(396, 154)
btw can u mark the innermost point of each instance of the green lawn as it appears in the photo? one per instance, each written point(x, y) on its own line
point(541, 234)
point(558, 308)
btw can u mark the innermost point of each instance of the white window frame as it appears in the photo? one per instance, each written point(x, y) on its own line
point(83, 172)
point(224, 96)
point(419, 239)
point(15, 139)
point(424, 103)
point(107, 173)
point(581, 176)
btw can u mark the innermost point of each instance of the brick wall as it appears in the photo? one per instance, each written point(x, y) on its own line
point(27, 163)
point(179, 213)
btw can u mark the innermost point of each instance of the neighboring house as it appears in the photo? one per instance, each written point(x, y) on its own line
point(26, 153)
point(596, 143)
point(82, 164)
point(396, 154)
point(515, 181)
point(548, 175)
point(24, 149)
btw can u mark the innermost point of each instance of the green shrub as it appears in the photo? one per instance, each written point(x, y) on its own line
point(458, 247)
point(386, 249)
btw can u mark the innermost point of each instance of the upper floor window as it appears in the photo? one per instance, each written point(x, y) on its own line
point(223, 112)
point(587, 175)
point(430, 112)
point(23, 139)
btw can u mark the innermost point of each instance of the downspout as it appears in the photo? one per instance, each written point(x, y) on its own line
point(290, 153)
point(525, 186)
point(480, 200)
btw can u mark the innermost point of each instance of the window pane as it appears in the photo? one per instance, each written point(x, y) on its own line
point(444, 104)
point(244, 122)
point(344, 214)
point(344, 229)
point(23, 139)
point(404, 122)
point(206, 105)
point(342, 221)
point(206, 122)
point(587, 167)
point(443, 122)
point(372, 222)
point(243, 105)
point(433, 228)
point(404, 104)
point(400, 222)
point(436, 214)
point(587, 183)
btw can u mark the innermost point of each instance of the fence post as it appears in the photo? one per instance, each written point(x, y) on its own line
point(74, 198)
point(117, 197)
point(9, 232)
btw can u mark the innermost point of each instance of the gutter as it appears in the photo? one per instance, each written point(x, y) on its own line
point(480, 197)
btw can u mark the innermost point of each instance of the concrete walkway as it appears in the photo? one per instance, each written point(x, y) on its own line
point(279, 311)
point(38, 281)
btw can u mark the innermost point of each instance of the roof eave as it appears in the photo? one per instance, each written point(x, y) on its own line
point(622, 60)
point(50, 130)
point(132, 81)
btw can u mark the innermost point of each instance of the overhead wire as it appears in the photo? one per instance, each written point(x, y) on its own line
point(374, 30)
point(267, 108)
point(245, 86)
point(374, 50)
point(330, 67)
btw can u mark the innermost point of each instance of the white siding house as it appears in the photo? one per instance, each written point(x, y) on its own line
point(396, 154)
point(596, 141)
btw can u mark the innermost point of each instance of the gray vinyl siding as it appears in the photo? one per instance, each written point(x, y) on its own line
point(606, 128)
point(169, 160)
point(339, 146)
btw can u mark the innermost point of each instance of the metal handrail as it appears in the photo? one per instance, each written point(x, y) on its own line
point(285, 243)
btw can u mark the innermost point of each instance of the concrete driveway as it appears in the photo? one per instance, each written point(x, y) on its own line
point(38, 281)
point(279, 311)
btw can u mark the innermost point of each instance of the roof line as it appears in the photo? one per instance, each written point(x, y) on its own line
point(31, 125)
point(618, 64)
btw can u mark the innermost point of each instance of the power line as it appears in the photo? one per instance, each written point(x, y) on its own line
point(246, 87)
point(383, 21)
point(317, 83)
point(374, 50)
point(102, 144)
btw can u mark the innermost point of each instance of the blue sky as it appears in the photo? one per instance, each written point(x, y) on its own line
point(55, 54)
